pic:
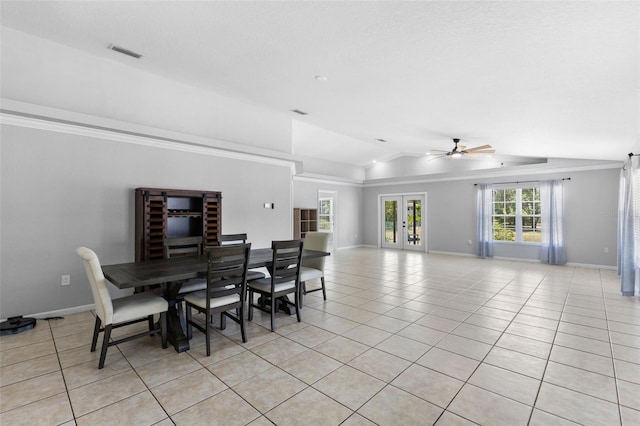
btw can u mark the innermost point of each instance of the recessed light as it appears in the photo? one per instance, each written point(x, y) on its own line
point(320, 78)
point(374, 161)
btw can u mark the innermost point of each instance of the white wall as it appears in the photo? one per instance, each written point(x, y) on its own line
point(348, 215)
point(60, 191)
point(590, 205)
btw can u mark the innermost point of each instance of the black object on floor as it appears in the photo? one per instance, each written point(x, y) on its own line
point(15, 325)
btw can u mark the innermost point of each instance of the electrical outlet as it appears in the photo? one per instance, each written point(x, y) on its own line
point(606, 249)
point(469, 242)
point(66, 280)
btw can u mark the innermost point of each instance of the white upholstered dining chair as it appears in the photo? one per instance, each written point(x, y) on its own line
point(123, 311)
point(314, 268)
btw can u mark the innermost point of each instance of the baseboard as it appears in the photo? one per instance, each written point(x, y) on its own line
point(451, 253)
point(60, 312)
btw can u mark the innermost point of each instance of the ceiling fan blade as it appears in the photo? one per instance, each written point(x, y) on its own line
point(477, 148)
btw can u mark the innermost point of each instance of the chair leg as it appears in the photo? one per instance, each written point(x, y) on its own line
point(242, 330)
point(151, 325)
point(189, 326)
point(324, 290)
point(250, 306)
point(223, 321)
point(96, 331)
point(297, 298)
point(207, 328)
point(274, 302)
point(105, 345)
point(163, 329)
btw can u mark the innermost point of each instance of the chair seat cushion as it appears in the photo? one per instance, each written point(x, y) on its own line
point(264, 285)
point(199, 298)
point(136, 306)
point(307, 274)
point(193, 285)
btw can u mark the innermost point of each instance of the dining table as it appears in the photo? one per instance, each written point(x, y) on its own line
point(171, 273)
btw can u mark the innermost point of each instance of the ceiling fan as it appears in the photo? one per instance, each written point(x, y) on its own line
point(461, 150)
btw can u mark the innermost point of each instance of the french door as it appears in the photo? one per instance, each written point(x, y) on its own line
point(403, 222)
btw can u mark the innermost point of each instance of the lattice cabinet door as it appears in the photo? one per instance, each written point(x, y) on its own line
point(212, 218)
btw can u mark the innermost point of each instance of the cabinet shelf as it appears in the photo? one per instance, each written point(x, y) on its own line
point(304, 220)
point(162, 213)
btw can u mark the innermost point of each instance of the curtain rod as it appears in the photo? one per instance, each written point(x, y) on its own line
point(519, 181)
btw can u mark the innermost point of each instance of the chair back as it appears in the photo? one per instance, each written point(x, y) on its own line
point(182, 246)
point(286, 261)
point(101, 296)
point(227, 271)
point(232, 239)
point(316, 241)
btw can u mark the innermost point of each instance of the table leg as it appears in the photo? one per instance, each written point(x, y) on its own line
point(175, 333)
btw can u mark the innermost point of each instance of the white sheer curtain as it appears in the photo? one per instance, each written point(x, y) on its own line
point(628, 227)
point(552, 245)
point(484, 227)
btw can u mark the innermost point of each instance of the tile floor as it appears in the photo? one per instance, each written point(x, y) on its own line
point(404, 339)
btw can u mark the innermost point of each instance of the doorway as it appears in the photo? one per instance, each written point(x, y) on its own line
point(326, 215)
point(403, 222)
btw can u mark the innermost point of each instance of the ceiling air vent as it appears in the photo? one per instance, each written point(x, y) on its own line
point(297, 111)
point(125, 51)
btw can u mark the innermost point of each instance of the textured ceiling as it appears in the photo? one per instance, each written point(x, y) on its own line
point(540, 79)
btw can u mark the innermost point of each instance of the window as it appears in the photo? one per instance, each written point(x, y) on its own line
point(516, 215)
point(325, 215)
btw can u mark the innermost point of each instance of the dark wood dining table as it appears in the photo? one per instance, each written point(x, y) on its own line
point(171, 273)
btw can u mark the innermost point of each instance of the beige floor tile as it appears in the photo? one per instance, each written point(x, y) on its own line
point(224, 409)
point(27, 391)
point(487, 322)
point(624, 328)
point(339, 386)
point(481, 334)
point(269, 389)
point(223, 348)
point(404, 314)
point(542, 418)
point(88, 372)
point(584, 360)
point(143, 351)
point(341, 348)
point(140, 409)
point(584, 331)
point(311, 336)
point(625, 339)
point(76, 327)
point(625, 353)
point(379, 364)
point(576, 406)
point(167, 368)
point(426, 335)
point(357, 420)
point(535, 321)
point(449, 363)
point(532, 332)
point(627, 371)
point(438, 323)
point(388, 324)
point(53, 410)
point(584, 320)
point(367, 335)
point(177, 395)
point(629, 394)
point(77, 340)
point(24, 353)
point(28, 369)
point(516, 361)
point(335, 324)
point(238, 368)
point(525, 345)
point(41, 333)
point(393, 406)
point(594, 346)
point(484, 407)
point(428, 385)
point(629, 417)
point(463, 346)
point(403, 347)
point(309, 407)
point(506, 383)
point(310, 366)
point(449, 419)
point(278, 350)
point(96, 395)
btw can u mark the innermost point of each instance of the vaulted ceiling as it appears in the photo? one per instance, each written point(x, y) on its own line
point(536, 78)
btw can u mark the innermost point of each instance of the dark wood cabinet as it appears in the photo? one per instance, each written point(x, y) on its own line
point(171, 213)
point(304, 220)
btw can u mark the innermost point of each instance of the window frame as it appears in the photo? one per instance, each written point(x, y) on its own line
point(518, 215)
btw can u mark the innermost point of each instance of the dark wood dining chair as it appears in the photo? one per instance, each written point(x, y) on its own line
point(226, 286)
point(226, 239)
point(179, 247)
point(284, 280)
point(115, 313)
